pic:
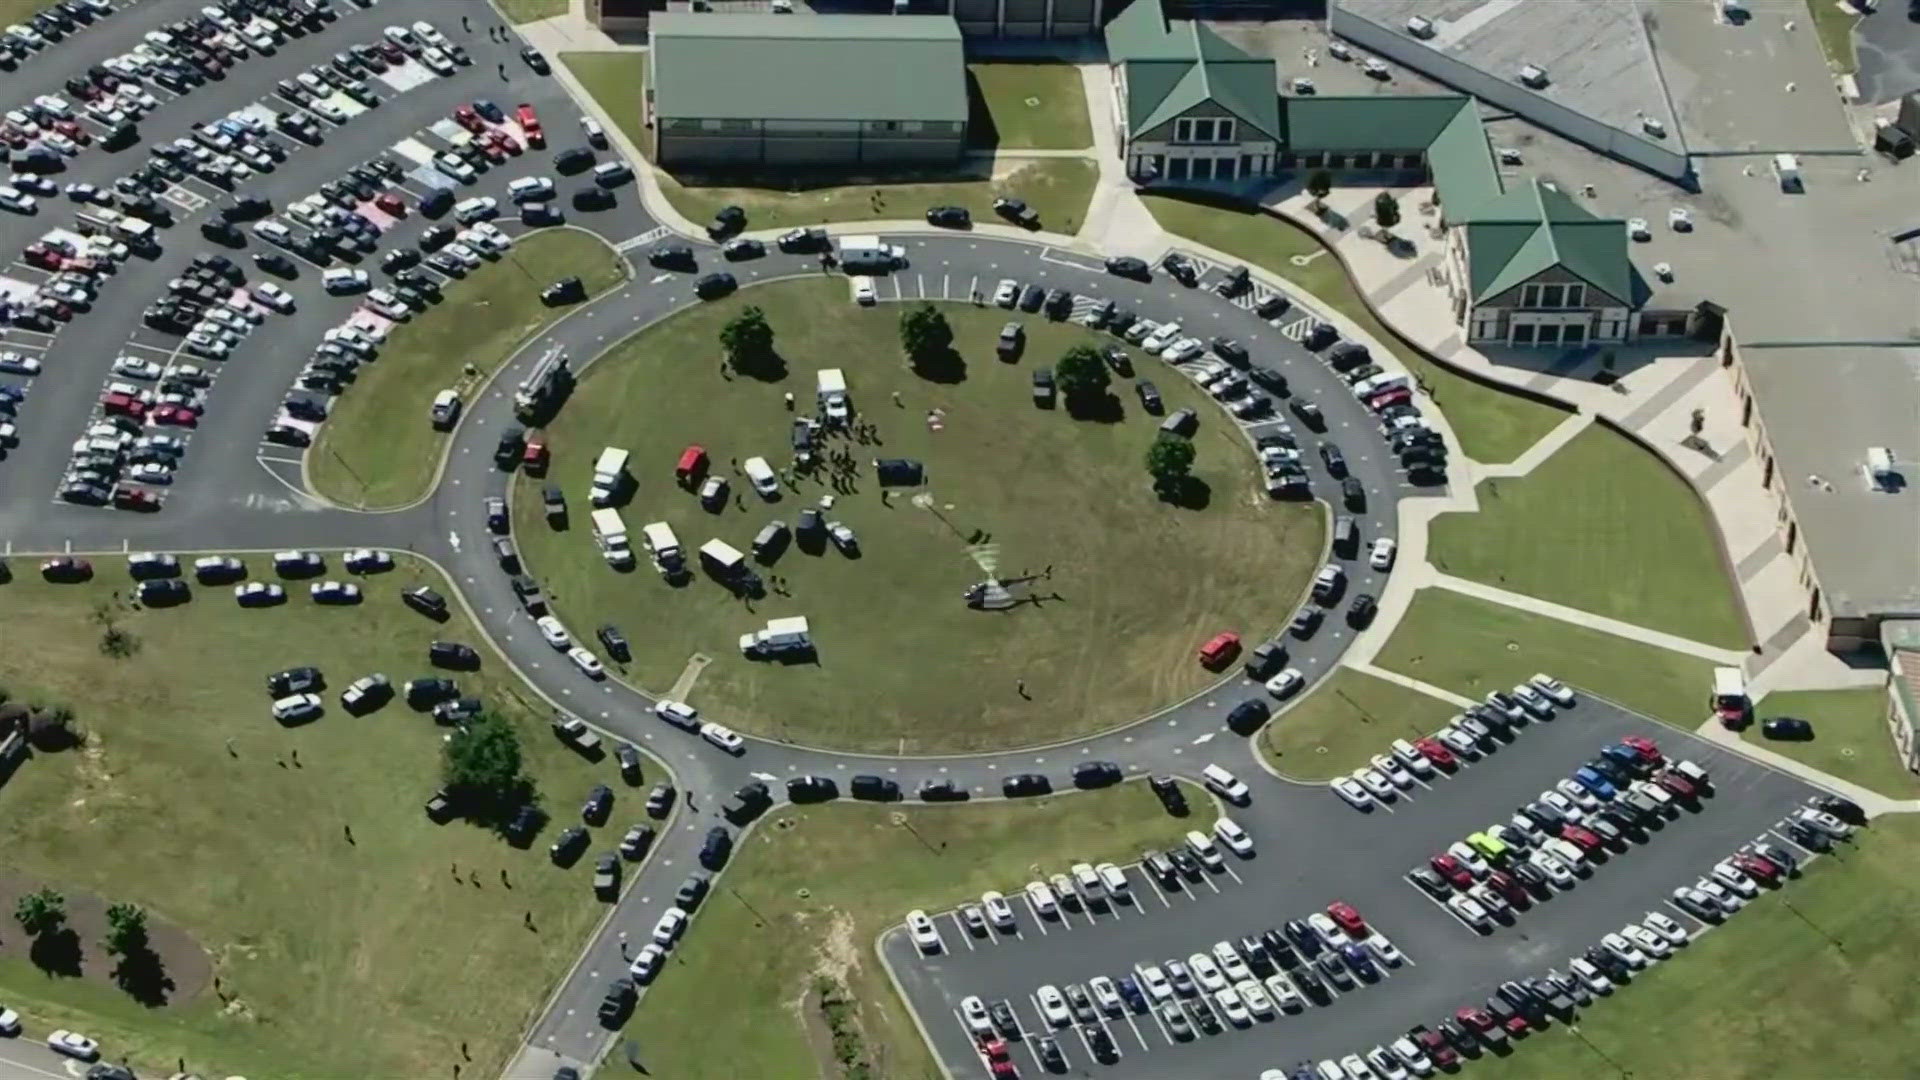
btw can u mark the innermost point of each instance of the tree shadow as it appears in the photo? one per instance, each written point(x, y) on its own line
point(771, 367)
point(143, 975)
point(1187, 493)
point(1104, 408)
point(946, 366)
point(57, 953)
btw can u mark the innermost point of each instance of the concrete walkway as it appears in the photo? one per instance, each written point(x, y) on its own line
point(1413, 684)
point(1536, 606)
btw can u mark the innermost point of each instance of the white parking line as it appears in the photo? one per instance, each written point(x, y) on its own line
point(961, 929)
point(1234, 876)
point(1042, 923)
point(1135, 1028)
point(1151, 884)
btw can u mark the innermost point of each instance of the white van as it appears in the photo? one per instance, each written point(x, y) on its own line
point(272, 231)
point(1368, 387)
point(1226, 785)
point(663, 545)
point(529, 189)
point(761, 474)
point(722, 557)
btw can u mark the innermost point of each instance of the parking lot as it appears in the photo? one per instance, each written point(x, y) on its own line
point(1313, 849)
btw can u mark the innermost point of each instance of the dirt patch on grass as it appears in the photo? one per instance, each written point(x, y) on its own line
point(185, 970)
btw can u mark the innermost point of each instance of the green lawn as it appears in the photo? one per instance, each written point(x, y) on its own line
point(1027, 106)
point(1603, 526)
point(1059, 189)
point(378, 450)
point(1850, 737)
point(1834, 22)
point(1471, 646)
point(1493, 426)
point(1770, 995)
point(520, 11)
point(1345, 721)
point(366, 959)
point(810, 891)
point(905, 666)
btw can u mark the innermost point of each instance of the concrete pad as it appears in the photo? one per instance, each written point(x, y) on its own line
point(375, 216)
point(414, 150)
point(448, 131)
point(406, 76)
point(683, 686)
point(346, 105)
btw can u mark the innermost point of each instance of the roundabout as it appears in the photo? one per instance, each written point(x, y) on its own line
point(1108, 588)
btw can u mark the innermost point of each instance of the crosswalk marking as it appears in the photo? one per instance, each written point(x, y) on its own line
point(643, 239)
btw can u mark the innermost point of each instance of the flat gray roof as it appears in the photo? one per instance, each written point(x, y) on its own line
point(1755, 86)
point(1595, 52)
point(1822, 408)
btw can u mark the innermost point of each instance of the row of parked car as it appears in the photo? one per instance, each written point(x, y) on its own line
point(1549, 844)
point(1468, 737)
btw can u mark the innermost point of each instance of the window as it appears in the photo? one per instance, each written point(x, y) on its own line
point(710, 125)
point(1576, 296)
point(1529, 296)
point(1550, 295)
point(1523, 334)
point(1183, 130)
point(1573, 334)
point(1225, 131)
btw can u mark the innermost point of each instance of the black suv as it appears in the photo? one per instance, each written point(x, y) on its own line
point(730, 220)
point(452, 654)
point(1025, 784)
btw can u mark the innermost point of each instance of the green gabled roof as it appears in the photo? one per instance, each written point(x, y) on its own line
point(1465, 177)
point(1340, 125)
point(1173, 65)
point(1522, 233)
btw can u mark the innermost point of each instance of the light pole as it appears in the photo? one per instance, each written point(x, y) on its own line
point(1625, 1073)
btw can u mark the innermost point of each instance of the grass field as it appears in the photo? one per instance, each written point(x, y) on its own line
point(1471, 646)
point(1493, 426)
point(363, 959)
point(1850, 738)
point(1834, 22)
point(1603, 526)
point(1345, 721)
point(1059, 189)
point(1027, 106)
point(1836, 962)
point(520, 11)
point(905, 666)
point(833, 877)
point(378, 450)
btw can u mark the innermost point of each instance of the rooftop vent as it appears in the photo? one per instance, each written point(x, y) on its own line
point(1534, 76)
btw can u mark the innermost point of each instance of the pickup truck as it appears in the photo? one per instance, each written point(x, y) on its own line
point(1434, 1045)
point(574, 732)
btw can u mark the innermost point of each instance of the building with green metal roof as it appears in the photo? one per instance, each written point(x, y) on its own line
point(746, 91)
point(1191, 106)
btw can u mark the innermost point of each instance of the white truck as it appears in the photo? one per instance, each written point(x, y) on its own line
point(833, 395)
point(610, 533)
point(609, 476)
point(779, 636)
point(664, 546)
point(859, 254)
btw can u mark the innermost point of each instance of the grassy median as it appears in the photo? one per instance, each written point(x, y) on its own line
point(1604, 526)
point(1850, 737)
point(378, 449)
point(1345, 721)
point(1027, 106)
point(810, 891)
point(376, 953)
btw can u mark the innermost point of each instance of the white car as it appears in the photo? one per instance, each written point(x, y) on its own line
point(478, 208)
point(1206, 972)
point(1495, 904)
point(467, 256)
point(273, 296)
point(334, 592)
point(1580, 795)
point(1555, 870)
point(1649, 942)
point(588, 663)
point(592, 130)
point(1726, 899)
point(677, 713)
point(1106, 995)
point(1355, 795)
point(151, 472)
point(1235, 837)
point(1232, 1007)
point(1404, 1049)
point(1376, 784)
point(9, 1022)
point(1204, 849)
point(667, 930)
point(555, 634)
point(1162, 337)
point(1592, 977)
point(998, 910)
point(1230, 962)
point(1653, 791)
point(1555, 690)
point(1088, 878)
point(1053, 1006)
point(1184, 349)
point(1324, 925)
point(1459, 742)
point(1566, 806)
point(74, 1045)
point(1628, 953)
point(1415, 761)
point(14, 364)
point(1824, 822)
point(367, 561)
point(1255, 996)
point(975, 1012)
point(1286, 684)
point(723, 737)
point(925, 934)
point(1470, 912)
point(1063, 888)
point(1045, 904)
point(341, 280)
point(1281, 989)
point(296, 707)
point(1673, 932)
point(1729, 875)
point(1383, 553)
point(14, 199)
point(1115, 881)
point(1385, 949)
point(863, 292)
point(1155, 982)
point(647, 964)
point(1006, 293)
point(1393, 770)
point(1469, 858)
point(134, 367)
point(1533, 701)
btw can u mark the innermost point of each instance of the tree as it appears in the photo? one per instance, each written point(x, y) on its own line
point(1169, 461)
point(41, 913)
point(748, 341)
point(1386, 211)
point(127, 930)
point(1082, 374)
point(481, 766)
point(924, 333)
point(1319, 185)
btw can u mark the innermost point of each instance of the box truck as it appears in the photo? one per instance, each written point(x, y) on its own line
point(663, 546)
point(860, 254)
point(788, 635)
point(833, 395)
point(610, 533)
point(609, 476)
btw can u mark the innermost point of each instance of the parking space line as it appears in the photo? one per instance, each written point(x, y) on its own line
point(961, 928)
point(1153, 1014)
point(1038, 921)
point(1208, 878)
point(1135, 1028)
point(1151, 884)
point(1234, 876)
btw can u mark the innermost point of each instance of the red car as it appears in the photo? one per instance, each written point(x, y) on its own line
point(1680, 786)
point(1512, 890)
point(1574, 834)
point(176, 415)
point(391, 203)
point(467, 118)
point(530, 123)
point(490, 148)
point(1220, 651)
point(504, 141)
point(129, 498)
point(1757, 868)
point(1343, 914)
point(1436, 753)
point(44, 257)
point(1399, 395)
point(534, 457)
point(1449, 867)
point(394, 53)
point(1480, 1021)
point(122, 405)
point(1646, 747)
point(14, 137)
point(72, 130)
point(998, 1059)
